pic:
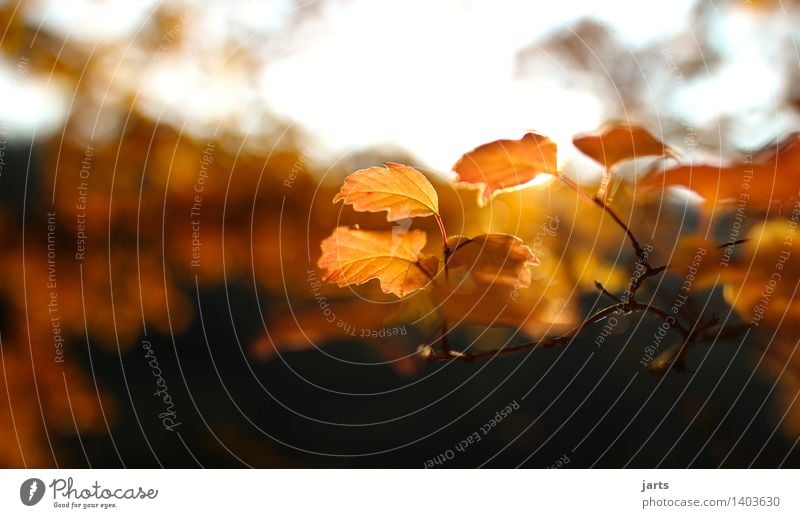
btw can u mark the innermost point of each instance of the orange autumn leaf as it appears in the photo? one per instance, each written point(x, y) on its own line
point(400, 190)
point(766, 178)
point(505, 164)
point(473, 300)
point(613, 143)
point(353, 256)
point(489, 283)
point(492, 259)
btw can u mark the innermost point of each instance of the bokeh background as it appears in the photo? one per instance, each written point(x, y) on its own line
point(136, 134)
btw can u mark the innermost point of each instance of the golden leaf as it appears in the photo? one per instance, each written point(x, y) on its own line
point(506, 164)
point(617, 142)
point(768, 177)
point(534, 311)
point(400, 190)
point(352, 256)
point(492, 259)
point(489, 283)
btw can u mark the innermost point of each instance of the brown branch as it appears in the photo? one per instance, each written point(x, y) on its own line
point(641, 254)
point(624, 305)
point(443, 232)
point(688, 336)
point(446, 252)
point(607, 293)
point(443, 330)
point(637, 281)
point(433, 355)
point(732, 243)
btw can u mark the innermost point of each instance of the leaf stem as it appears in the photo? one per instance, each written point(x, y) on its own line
point(577, 188)
point(445, 259)
point(443, 233)
point(445, 247)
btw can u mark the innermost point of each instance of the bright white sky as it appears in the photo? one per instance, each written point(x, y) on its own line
point(434, 78)
point(438, 78)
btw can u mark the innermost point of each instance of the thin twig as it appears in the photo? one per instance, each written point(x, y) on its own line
point(688, 337)
point(624, 305)
point(640, 252)
point(432, 354)
point(443, 232)
point(732, 243)
point(607, 293)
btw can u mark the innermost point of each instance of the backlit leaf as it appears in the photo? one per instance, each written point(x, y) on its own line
point(505, 164)
point(400, 190)
point(352, 256)
point(617, 142)
point(492, 259)
point(768, 177)
point(489, 283)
